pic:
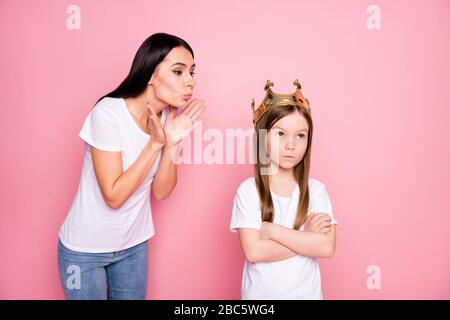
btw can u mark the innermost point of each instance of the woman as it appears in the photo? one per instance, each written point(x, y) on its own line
point(130, 136)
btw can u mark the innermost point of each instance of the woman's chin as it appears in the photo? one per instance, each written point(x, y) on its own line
point(179, 105)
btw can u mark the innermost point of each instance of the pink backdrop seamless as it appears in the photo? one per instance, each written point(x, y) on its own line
point(380, 102)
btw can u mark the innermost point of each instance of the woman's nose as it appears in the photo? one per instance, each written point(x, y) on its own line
point(190, 82)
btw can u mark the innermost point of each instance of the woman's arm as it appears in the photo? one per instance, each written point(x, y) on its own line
point(313, 244)
point(166, 176)
point(176, 129)
point(117, 186)
point(258, 250)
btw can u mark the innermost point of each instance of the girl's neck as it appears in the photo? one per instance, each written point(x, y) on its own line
point(282, 181)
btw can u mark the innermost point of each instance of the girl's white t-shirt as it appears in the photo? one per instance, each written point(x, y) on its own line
point(297, 277)
point(92, 226)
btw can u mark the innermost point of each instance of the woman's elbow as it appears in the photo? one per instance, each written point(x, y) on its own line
point(112, 202)
point(160, 196)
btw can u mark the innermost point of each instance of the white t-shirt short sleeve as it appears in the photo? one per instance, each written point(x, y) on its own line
point(101, 128)
point(246, 208)
point(320, 201)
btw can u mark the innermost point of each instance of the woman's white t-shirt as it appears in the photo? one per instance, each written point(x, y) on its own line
point(297, 277)
point(92, 226)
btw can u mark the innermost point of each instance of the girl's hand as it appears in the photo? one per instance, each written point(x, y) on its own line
point(157, 135)
point(265, 230)
point(318, 222)
point(179, 127)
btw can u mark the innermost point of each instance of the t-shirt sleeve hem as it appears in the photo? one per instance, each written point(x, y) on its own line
point(99, 146)
point(234, 228)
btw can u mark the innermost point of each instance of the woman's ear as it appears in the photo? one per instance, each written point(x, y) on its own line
point(150, 82)
point(154, 75)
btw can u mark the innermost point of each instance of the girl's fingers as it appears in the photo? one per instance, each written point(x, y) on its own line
point(326, 225)
point(311, 215)
point(325, 230)
point(309, 218)
point(318, 216)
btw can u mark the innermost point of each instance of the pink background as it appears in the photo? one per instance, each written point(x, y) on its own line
point(380, 103)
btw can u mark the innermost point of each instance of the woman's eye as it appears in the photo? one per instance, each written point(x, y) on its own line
point(280, 134)
point(301, 136)
point(178, 73)
point(192, 73)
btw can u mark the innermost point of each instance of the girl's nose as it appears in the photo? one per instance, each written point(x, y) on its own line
point(290, 144)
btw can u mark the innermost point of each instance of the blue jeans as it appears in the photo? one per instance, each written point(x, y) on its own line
point(120, 275)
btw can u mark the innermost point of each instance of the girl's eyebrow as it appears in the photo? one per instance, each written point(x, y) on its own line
point(278, 127)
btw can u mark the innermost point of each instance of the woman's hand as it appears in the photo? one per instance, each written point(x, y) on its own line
point(318, 222)
point(179, 127)
point(157, 135)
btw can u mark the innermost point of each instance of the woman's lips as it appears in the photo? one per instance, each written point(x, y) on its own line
point(187, 96)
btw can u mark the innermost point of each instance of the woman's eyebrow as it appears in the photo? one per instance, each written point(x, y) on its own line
point(182, 64)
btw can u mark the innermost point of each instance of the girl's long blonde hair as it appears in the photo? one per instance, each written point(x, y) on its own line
point(301, 170)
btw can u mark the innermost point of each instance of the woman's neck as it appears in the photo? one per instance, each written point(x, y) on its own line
point(138, 105)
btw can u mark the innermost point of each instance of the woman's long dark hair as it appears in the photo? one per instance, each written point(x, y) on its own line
point(151, 52)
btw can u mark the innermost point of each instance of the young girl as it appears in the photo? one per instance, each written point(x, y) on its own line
point(130, 136)
point(284, 218)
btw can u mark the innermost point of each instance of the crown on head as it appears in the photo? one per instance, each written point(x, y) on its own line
point(273, 100)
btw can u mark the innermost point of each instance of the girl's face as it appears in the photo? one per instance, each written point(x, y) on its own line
point(287, 141)
point(173, 81)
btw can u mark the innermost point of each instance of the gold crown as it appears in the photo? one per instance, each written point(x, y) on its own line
point(273, 100)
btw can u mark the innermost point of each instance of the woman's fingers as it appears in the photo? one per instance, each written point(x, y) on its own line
point(198, 122)
point(193, 107)
point(197, 112)
point(190, 105)
point(153, 123)
point(172, 113)
point(151, 110)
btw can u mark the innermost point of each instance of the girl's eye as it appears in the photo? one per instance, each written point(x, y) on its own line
point(280, 134)
point(178, 73)
point(301, 136)
point(192, 73)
